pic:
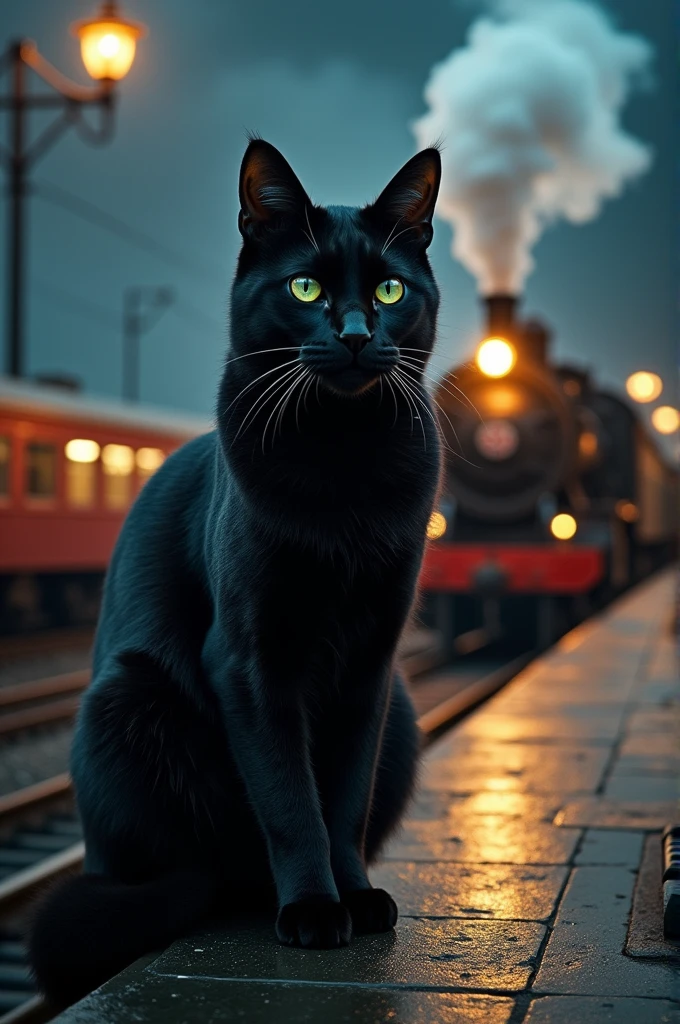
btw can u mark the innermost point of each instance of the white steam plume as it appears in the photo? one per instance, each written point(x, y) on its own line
point(529, 113)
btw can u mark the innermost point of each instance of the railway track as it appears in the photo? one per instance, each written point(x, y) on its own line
point(40, 836)
point(40, 702)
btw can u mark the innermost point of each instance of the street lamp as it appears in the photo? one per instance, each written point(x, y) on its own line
point(108, 49)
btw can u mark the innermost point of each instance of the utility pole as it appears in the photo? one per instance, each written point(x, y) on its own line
point(142, 309)
point(15, 213)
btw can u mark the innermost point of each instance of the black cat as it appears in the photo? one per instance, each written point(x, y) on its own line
point(246, 737)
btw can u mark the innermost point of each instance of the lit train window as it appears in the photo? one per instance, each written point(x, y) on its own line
point(41, 470)
point(81, 484)
point(148, 461)
point(118, 463)
point(4, 468)
point(81, 472)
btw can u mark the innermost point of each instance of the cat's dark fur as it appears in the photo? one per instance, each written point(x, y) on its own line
point(246, 735)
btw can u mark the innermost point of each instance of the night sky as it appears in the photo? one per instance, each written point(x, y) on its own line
point(335, 87)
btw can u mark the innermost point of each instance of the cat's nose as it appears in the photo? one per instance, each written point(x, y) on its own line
point(355, 332)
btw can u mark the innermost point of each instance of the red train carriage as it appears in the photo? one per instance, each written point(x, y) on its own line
point(69, 469)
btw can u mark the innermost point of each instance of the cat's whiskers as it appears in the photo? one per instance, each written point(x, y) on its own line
point(263, 351)
point(401, 378)
point(262, 400)
point(411, 385)
point(310, 236)
point(438, 425)
point(396, 407)
point(252, 384)
point(305, 387)
point(411, 405)
point(440, 382)
point(289, 387)
point(390, 234)
point(278, 423)
point(403, 231)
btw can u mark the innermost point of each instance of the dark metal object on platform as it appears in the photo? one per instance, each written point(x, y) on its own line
point(670, 841)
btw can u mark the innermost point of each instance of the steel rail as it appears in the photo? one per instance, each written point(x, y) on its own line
point(39, 689)
point(28, 718)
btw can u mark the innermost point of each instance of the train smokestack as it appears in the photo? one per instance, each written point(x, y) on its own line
point(500, 314)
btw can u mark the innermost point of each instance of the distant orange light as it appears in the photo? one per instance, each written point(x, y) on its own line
point(666, 419)
point(644, 386)
point(571, 387)
point(587, 444)
point(627, 511)
point(108, 43)
point(436, 527)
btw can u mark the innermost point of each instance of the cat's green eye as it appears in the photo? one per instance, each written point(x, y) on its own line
point(306, 289)
point(389, 291)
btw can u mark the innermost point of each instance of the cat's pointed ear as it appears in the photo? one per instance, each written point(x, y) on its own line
point(410, 197)
point(269, 189)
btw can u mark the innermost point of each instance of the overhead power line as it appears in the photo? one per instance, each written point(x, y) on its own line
point(104, 317)
point(93, 214)
point(76, 304)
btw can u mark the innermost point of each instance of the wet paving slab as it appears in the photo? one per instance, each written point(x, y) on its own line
point(494, 891)
point(193, 1001)
point(421, 953)
point(586, 1010)
point(584, 953)
point(484, 839)
point(532, 768)
point(595, 812)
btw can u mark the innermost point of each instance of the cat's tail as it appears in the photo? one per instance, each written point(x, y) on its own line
point(89, 927)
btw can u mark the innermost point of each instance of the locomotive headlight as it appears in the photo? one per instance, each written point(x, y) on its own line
point(436, 527)
point(495, 357)
point(563, 526)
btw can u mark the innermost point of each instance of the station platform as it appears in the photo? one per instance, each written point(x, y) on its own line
point(528, 873)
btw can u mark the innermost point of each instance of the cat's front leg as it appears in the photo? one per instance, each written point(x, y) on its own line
point(267, 731)
point(352, 750)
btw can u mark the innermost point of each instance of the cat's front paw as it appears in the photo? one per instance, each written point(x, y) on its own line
point(314, 924)
point(372, 910)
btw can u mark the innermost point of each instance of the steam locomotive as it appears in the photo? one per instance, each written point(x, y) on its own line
point(554, 497)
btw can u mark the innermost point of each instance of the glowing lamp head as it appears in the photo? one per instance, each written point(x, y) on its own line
point(666, 419)
point(436, 527)
point(643, 386)
point(108, 43)
point(563, 526)
point(495, 357)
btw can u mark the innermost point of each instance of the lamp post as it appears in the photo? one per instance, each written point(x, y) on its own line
point(107, 48)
